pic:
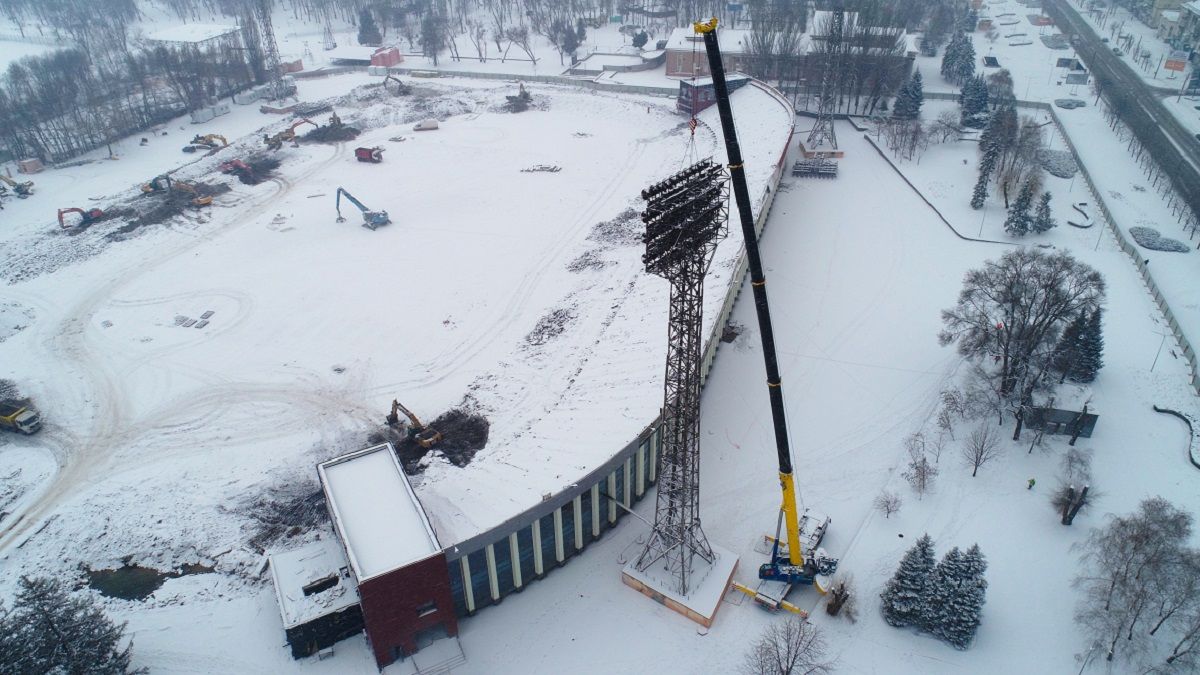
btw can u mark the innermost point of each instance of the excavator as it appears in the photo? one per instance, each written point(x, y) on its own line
point(401, 89)
point(798, 559)
point(87, 217)
point(426, 437)
point(206, 143)
point(22, 189)
point(164, 183)
point(371, 219)
point(287, 135)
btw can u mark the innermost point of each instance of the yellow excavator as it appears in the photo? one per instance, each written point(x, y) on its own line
point(164, 183)
point(206, 143)
point(426, 437)
point(22, 189)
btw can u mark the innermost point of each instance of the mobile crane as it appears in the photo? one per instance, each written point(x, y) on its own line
point(371, 219)
point(426, 437)
point(796, 560)
point(22, 189)
point(87, 217)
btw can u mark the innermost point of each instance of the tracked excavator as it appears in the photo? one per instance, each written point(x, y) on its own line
point(163, 183)
point(795, 557)
point(86, 217)
point(426, 437)
point(22, 189)
point(287, 135)
point(206, 143)
point(371, 219)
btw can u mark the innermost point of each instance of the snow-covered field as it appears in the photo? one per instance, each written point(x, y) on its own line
point(160, 437)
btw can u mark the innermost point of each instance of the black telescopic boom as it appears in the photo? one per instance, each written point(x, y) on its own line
point(757, 281)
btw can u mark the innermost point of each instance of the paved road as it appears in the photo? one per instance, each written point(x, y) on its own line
point(1169, 142)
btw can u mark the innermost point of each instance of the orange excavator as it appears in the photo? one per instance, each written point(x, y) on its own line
point(287, 135)
point(86, 217)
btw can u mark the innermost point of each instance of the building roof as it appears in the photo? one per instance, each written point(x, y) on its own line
point(1193, 6)
point(375, 512)
point(1170, 15)
point(192, 32)
point(732, 40)
point(305, 567)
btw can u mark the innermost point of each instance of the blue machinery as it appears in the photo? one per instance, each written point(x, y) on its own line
point(371, 219)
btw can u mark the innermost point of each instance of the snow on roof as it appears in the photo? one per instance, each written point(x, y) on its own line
point(1193, 6)
point(707, 81)
point(305, 567)
point(732, 40)
point(351, 53)
point(375, 512)
point(1171, 15)
point(191, 32)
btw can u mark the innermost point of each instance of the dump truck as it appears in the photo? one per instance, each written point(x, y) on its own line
point(20, 418)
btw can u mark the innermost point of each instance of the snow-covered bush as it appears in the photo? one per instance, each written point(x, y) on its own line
point(1148, 237)
point(1059, 163)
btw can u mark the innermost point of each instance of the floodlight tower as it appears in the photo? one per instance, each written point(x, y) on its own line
point(822, 133)
point(685, 220)
point(262, 14)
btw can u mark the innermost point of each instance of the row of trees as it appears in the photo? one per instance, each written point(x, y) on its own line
point(945, 600)
point(1011, 156)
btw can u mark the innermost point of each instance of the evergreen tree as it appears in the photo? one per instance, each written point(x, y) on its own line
point(368, 32)
point(1066, 352)
point(905, 596)
point(943, 587)
point(640, 39)
point(973, 98)
point(960, 615)
point(991, 154)
point(1090, 358)
point(49, 631)
point(910, 98)
point(951, 56)
point(1042, 220)
point(1019, 221)
point(965, 64)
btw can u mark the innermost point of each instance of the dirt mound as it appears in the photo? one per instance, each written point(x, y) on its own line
point(287, 509)
point(331, 134)
point(464, 433)
point(263, 167)
point(167, 206)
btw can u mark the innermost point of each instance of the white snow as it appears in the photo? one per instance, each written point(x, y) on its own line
point(293, 571)
point(375, 511)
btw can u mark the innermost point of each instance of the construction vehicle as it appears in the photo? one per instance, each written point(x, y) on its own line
point(287, 135)
point(206, 143)
point(426, 437)
point(401, 88)
point(371, 219)
point(373, 155)
point(22, 189)
point(798, 559)
point(164, 183)
point(20, 418)
point(86, 217)
point(238, 168)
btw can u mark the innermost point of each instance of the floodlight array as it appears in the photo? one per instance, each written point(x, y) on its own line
point(685, 214)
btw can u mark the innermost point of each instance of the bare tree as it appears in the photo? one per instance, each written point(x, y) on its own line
point(981, 447)
point(888, 502)
point(793, 646)
point(1074, 492)
point(920, 472)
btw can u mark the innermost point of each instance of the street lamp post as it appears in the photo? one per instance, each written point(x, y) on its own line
point(1160, 346)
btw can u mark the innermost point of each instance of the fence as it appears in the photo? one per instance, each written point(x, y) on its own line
point(1127, 246)
point(503, 560)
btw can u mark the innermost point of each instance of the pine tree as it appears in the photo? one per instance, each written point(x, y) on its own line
point(1090, 358)
point(943, 587)
point(58, 633)
point(368, 32)
point(1042, 220)
point(964, 67)
point(1066, 352)
point(961, 613)
point(987, 165)
point(1018, 221)
point(905, 596)
point(951, 55)
point(973, 98)
point(910, 98)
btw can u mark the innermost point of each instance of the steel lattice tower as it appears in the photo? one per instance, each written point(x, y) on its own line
point(262, 12)
point(822, 132)
point(685, 220)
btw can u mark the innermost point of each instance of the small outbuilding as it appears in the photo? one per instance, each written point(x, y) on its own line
point(1056, 421)
point(696, 95)
point(318, 598)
